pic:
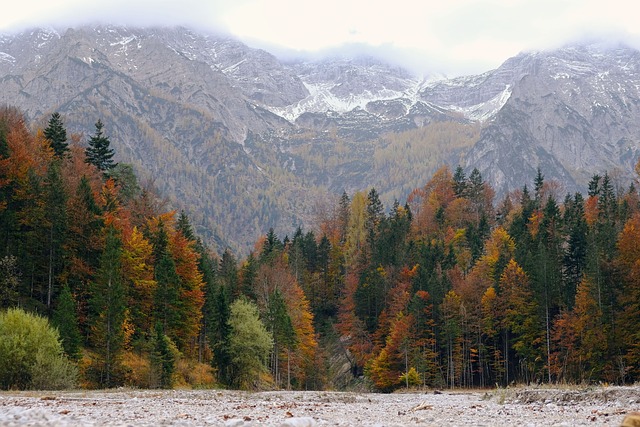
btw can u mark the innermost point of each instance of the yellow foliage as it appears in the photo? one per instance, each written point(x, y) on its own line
point(137, 370)
point(192, 374)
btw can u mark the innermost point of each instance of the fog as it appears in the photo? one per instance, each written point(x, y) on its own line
point(429, 37)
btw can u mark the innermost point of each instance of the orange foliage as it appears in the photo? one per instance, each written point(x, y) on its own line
point(591, 210)
point(350, 326)
point(191, 288)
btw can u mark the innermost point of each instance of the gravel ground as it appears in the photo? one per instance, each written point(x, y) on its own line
point(511, 407)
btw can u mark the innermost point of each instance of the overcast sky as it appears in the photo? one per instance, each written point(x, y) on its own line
point(445, 36)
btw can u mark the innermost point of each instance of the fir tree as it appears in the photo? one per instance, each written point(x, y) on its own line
point(459, 182)
point(99, 153)
point(57, 135)
point(108, 313)
point(219, 334)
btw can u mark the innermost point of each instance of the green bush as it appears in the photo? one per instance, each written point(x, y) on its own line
point(31, 355)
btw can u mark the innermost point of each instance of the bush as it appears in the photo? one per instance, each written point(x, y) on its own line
point(31, 354)
point(137, 370)
point(195, 375)
point(411, 378)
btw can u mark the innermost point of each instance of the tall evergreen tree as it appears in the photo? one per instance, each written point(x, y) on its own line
point(99, 153)
point(56, 218)
point(108, 313)
point(281, 328)
point(219, 333)
point(459, 182)
point(57, 135)
point(228, 274)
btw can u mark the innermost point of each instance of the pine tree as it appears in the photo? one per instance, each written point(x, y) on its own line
point(184, 226)
point(99, 153)
point(282, 333)
point(167, 294)
point(57, 135)
point(228, 274)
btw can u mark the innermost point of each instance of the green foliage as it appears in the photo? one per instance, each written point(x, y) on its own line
point(107, 306)
point(99, 153)
point(65, 318)
point(31, 354)
point(249, 344)
point(163, 358)
point(219, 333)
point(57, 135)
point(126, 180)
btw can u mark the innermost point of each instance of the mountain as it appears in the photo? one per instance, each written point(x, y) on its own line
point(574, 113)
point(244, 141)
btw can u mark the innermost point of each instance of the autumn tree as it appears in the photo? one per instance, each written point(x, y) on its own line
point(249, 344)
point(519, 323)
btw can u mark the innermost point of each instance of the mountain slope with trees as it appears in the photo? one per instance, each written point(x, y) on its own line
point(237, 137)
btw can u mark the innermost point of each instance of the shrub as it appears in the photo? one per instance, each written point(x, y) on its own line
point(31, 354)
point(411, 378)
point(137, 370)
point(195, 375)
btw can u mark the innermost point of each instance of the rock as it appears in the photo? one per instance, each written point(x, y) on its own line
point(631, 420)
point(299, 422)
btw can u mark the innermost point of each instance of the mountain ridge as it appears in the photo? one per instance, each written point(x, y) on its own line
point(247, 142)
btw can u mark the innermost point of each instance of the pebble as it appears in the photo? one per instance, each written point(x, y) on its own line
point(187, 408)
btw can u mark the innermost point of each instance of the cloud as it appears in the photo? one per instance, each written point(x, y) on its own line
point(454, 36)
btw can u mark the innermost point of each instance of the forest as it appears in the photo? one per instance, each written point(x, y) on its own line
point(450, 289)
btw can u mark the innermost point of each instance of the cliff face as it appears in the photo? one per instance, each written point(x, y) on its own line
point(574, 114)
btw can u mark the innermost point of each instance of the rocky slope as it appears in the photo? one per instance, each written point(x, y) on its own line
point(574, 113)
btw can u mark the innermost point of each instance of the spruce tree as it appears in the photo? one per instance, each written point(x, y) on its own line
point(57, 135)
point(219, 334)
point(99, 153)
point(459, 182)
point(107, 314)
point(56, 219)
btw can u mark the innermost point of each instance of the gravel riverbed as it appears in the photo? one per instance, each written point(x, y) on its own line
point(597, 406)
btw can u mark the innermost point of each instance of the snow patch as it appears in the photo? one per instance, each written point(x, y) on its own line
point(7, 58)
point(322, 100)
point(486, 110)
point(124, 41)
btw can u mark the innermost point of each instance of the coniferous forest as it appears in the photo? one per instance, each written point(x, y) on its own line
point(453, 288)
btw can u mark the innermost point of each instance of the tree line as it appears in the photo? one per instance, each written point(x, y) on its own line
point(451, 289)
